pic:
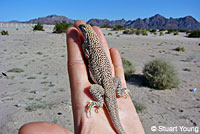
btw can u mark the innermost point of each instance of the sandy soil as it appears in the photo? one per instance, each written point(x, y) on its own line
point(41, 92)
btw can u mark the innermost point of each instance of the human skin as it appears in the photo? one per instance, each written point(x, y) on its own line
point(97, 122)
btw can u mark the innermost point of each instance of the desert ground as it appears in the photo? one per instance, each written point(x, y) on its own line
point(41, 92)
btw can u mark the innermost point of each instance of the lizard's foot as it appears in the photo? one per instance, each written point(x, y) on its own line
point(97, 92)
point(92, 104)
point(119, 90)
point(124, 94)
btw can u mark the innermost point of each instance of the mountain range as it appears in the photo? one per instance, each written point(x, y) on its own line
point(155, 22)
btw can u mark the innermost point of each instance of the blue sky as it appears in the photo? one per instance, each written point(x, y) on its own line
point(24, 10)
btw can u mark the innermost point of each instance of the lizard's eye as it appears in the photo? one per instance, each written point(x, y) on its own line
point(82, 27)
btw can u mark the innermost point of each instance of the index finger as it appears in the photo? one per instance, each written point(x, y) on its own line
point(76, 66)
point(101, 38)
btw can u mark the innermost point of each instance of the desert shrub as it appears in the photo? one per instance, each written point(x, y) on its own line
point(61, 27)
point(126, 31)
point(160, 74)
point(195, 33)
point(169, 31)
point(16, 70)
point(38, 27)
point(138, 32)
point(183, 31)
point(109, 33)
point(161, 30)
point(119, 27)
point(161, 33)
point(176, 33)
point(144, 32)
point(180, 49)
point(129, 31)
point(187, 69)
point(152, 30)
point(148, 30)
point(129, 68)
point(3, 32)
point(106, 26)
point(140, 108)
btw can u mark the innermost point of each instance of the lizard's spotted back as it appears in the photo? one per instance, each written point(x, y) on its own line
point(101, 73)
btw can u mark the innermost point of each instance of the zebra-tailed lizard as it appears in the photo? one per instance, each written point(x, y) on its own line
point(101, 73)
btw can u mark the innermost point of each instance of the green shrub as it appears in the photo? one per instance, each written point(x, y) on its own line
point(161, 74)
point(169, 31)
point(187, 69)
point(138, 32)
point(153, 30)
point(179, 49)
point(3, 32)
point(129, 31)
point(16, 70)
point(161, 30)
point(161, 33)
point(129, 68)
point(119, 27)
point(144, 32)
point(176, 33)
point(195, 33)
point(126, 31)
point(109, 33)
point(139, 107)
point(106, 26)
point(183, 31)
point(38, 27)
point(61, 27)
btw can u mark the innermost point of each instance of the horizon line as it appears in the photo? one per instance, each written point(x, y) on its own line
point(22, 21)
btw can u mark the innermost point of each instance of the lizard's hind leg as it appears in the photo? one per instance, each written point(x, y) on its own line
point(97, 93)
point(118, 86)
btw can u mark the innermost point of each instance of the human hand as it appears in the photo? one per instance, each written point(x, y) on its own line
point(79, 83)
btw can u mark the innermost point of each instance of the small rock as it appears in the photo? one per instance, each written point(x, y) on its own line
point(35, 92)
point(4, 74)
point(18, 105)
point(180, 110)
point(59, 113)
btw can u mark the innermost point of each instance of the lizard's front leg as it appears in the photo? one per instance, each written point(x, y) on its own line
point(97, 92)
point(118, 86)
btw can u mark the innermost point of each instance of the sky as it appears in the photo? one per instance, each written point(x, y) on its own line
point(24, 10)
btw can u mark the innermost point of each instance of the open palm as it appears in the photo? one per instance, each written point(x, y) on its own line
point(97, 122)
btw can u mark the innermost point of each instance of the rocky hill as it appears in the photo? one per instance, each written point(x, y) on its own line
point(51, 19)
point(155, 22)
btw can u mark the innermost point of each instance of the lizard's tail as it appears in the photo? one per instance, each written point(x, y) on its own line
point(114, 115)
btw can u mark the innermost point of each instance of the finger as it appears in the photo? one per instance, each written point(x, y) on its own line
point(43, 128)
point(76, 24)
point(76, 66)
point(118, 66)
point(104, 44)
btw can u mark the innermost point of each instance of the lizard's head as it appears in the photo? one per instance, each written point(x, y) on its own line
point(85, 29)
